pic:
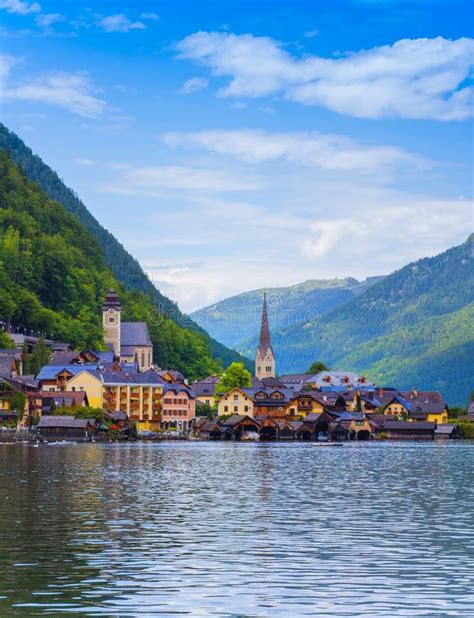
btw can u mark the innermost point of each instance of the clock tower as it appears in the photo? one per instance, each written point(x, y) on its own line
point(111, 321)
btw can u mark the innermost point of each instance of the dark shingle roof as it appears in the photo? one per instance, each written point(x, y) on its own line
point(416, 426)
point(64, 421)
point(204, 388)
point(134, 334)
point(446, 429)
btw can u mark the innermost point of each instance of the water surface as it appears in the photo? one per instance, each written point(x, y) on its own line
point(372, 529)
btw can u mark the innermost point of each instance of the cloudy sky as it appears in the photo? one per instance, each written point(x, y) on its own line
point(231, 145)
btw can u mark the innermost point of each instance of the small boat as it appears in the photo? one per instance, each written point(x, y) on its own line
point(328, 444)
point(62, 443)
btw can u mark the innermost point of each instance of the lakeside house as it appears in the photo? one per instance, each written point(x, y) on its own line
point(66, 427)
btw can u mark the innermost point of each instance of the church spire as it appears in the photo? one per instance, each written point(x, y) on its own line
point(265, 359)
point(265, 341)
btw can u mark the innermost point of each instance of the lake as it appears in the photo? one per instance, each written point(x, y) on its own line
point(370, 529)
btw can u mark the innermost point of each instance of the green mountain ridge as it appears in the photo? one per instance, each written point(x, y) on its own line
point(235, 320)
point(53, 279)
point(412, 328)
point(126, 269)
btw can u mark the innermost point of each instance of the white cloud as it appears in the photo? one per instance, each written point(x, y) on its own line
point(47, 20)
point(120, 23)
point(7, 62)
point(20, 8)
point(310, 34)
point(193, 85)
point(413, 78)
point(159, 181)
point(150, 16)
point(72, 91)
point(309, 149)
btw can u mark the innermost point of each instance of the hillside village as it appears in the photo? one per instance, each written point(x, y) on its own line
point(121, 393)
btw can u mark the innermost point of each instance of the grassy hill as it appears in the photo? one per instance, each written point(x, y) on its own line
point(125, 268)
point(412, 328)
point(53, 278)
point(235, 320)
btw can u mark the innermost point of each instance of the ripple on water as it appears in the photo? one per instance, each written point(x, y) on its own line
point(238, 530)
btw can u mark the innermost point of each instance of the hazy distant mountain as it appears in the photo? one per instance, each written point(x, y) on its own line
point(413, 328)
point(235, 320)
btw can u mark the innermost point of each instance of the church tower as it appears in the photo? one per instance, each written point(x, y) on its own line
point(265, 359)
point(111, 320)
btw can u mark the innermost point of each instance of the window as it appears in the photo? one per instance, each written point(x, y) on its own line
point(246, 408)
point(236, 398)
point(73, 388)
point(226, 408)
point(236, 408)
point(360, 423)
point(111, 320)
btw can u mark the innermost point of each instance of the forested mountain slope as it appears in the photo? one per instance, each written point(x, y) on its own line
point(53, 278)
point(235, 320)
point(415, 327)
point(126, 269)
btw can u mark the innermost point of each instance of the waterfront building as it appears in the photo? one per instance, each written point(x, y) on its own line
point(265, 365)
point(236, 401)
point(63, 427)
point(130, 341)
point(415, 406)
point(178, 408)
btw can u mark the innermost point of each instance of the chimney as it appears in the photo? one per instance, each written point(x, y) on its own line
point(415, 391)
point(381, 392)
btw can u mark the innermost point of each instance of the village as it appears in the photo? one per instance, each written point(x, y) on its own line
point(120, 394)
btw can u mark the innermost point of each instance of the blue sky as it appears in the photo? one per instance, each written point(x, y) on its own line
point(234, 145)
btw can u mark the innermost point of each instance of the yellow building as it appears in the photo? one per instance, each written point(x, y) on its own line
point(89, 382)
point(303, 404)
point(236, 401)
point(140, 399)
point(429, 407)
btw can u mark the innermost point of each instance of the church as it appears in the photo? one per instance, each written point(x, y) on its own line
point(265, 366)
point(130, 341)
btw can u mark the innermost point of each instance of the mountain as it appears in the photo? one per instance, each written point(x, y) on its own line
point(54, 277)
point(125, 268)
point(235, 320)
point(413, 328)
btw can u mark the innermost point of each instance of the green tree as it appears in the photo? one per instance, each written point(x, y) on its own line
point(317, 366)
point(5, 341)
point(40, 356)
point(234, 376)
point(17, 402)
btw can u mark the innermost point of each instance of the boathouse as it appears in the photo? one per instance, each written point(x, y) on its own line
point(66, 427)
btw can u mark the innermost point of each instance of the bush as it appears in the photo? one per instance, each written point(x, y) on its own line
point(466, 429)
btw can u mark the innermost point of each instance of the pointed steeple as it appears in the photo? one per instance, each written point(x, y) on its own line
point(265, 359)
point(265, 340)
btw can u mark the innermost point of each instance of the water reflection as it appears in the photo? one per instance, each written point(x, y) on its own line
point(237, 530)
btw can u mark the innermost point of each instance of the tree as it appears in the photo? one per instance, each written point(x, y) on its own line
point(317, 366)
point(5, 341)
point(40, 356)
point(234, 376)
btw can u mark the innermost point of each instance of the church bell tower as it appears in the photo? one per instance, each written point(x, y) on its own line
point(265, 359)
point(111, 320)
